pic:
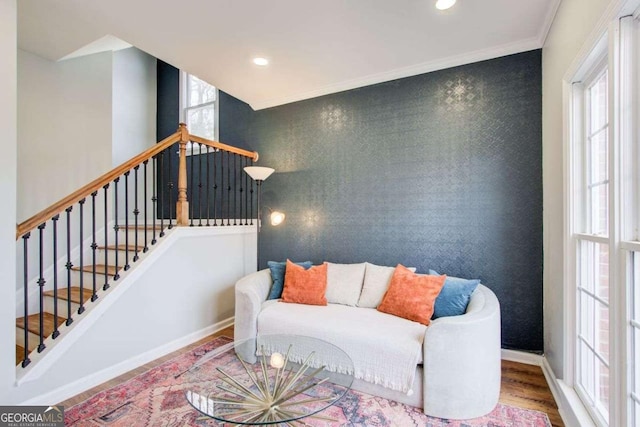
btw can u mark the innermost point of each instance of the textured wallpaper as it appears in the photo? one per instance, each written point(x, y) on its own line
point(441, 171)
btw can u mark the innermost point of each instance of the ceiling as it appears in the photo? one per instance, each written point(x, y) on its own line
point(314, 48)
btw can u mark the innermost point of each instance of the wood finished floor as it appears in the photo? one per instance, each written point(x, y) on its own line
point(523, 385)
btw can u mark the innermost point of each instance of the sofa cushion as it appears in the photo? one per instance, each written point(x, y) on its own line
point(376, 283)
point(277, 276)
point(385, 349)
point(305, 286)
point(412, 295)
point(454, 297)
point(344, 283)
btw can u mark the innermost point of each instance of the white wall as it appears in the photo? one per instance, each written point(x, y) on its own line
point(64, 127)
point(185, 287)
point(134, 103)
point(8, 113)
point(572, 25)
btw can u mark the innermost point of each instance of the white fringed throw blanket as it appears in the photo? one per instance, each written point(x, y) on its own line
point(385, 349)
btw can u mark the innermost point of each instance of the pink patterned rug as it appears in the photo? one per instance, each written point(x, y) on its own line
point(157, 398)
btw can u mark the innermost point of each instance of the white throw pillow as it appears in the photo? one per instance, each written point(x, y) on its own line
point(376, 283)
point(344, 283)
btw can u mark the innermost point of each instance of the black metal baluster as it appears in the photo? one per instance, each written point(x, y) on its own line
point(144, 206)
point(81, 308)
point(161, 192)
point(215, 187)
point(136, 212)
point(246, 193)
point(94, 245)
point(106, 239)
point(228, 188)
point(235, 189)
point(241, 189)
point(116, 227)
point(251, 198)
point(25, 241)
point(154, 198)
point(126, 221)
point(222, 188)
point(69, 265)
point(200, 186)
point(208, 187)
point(191, 183)
point(170, 183)
point(56, 332)
point(41, 283)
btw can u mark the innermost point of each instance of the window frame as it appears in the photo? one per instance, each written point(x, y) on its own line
point(585, 237)
point(193, 148)
point(624, 209)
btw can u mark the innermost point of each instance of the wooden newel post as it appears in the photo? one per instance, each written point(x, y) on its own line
point(182, 205)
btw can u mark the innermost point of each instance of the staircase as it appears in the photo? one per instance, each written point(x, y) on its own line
point(75, 251)
point(74, 298)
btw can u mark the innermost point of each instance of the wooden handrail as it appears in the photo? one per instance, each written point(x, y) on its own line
point(215, 144)
point(180, 136)
point(94, 185)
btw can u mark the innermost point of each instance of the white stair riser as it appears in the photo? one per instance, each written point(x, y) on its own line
point(132, 237)
point(34, 340)
point(112, 254)
point(62, 305)
point(88, 279)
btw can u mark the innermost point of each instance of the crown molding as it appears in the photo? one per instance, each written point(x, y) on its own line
point(548, 21)
point(413, 70)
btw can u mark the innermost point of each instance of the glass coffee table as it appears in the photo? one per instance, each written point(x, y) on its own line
point(273, 379)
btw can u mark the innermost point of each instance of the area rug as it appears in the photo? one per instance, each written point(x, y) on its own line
point(157, 398)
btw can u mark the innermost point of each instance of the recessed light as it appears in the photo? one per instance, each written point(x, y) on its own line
point(261, 61)
point(445, 4)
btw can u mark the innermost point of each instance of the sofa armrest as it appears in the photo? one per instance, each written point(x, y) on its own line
point(251, 291)
point(462, 360)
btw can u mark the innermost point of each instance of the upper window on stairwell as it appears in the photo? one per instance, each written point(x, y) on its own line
point(199, 109)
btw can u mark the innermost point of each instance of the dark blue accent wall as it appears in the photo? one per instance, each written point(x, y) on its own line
point(441, 170)
point(168, 99)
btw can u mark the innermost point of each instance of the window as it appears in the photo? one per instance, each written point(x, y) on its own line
point(592, 298)
point(604, 219)
point(199, 109)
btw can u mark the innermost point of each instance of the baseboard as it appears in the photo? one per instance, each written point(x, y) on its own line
point(65, 392)
point(571, 409)
point(522, 357)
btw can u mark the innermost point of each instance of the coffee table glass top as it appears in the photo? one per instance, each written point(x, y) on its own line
point(273, 379)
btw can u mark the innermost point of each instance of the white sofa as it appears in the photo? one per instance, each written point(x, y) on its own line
point(457, 372)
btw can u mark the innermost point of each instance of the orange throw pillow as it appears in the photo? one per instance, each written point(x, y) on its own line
point(411, 296)
point(305, 286)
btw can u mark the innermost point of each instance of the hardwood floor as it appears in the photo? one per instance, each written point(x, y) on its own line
point(523, 385)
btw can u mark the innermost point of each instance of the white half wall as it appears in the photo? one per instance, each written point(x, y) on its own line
point(571, 27)
point(8, 123)
point(179, 291)
point(64, 127)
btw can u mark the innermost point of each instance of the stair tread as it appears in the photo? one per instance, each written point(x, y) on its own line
point(100, 269)
point(75, 294)
point(34, 323)
point(132, 248)
point(19, 354)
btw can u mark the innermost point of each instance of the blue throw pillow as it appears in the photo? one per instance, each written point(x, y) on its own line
point(454, 296)
point(277, 274)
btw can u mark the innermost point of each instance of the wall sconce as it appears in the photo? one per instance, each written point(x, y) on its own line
point(276, 217)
